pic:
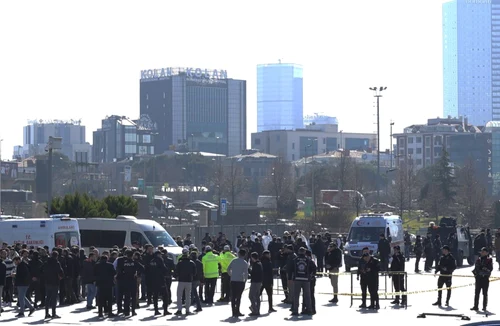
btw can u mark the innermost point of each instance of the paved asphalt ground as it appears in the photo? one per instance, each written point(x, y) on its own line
point(418, 303)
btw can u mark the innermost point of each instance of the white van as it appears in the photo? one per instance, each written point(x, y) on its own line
point(104, 233)
point(365, 232)
point(40, 232)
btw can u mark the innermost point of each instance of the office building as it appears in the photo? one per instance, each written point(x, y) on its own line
point(471, 60)
point(195, 109)
point(313, 140)
point(121, 138)
point(37, 133)
point(279, 97)
point(421, 146)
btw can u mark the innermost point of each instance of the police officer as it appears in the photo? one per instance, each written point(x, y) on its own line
point(446, 266)
point(370, 276)
point(157, 271)
point(104, 273)
point(312, 284)
point(398, 266)
point(301, 276)
point(482, 271)
point(127, 272)
point(361, 269)
point(170, 265)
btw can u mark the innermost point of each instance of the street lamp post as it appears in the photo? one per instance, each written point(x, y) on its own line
point(341, 145)
point(377, 93)
point(390, 149)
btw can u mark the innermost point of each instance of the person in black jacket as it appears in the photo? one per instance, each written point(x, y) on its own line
point(196, 281)
point(384, 251)
point(127, 271)
point(446, 266)
point(146, 258)
point(35, 265)
point(87, 278)
point(22, 282)
point(3, 276)
point(185, 272)
point(69, 274)
point(105, 277)
point(51, 273)
point(333, 260)
point(418, 249)
point(318, 249)
point(267, 278)
point(256, 278)
point(312, 285)
point(170, 265)
point(398, 265)
point(157, 271)
point(482, 272)
point(369, 278)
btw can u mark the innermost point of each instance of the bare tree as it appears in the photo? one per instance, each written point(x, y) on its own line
point(472, 195)
point(235, 182)
point(280, 185)
point(401, 188)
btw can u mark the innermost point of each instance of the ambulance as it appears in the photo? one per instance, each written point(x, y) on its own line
point(40, 232)
point(365, 232)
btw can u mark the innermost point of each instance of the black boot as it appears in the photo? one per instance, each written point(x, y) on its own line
point(485, 302)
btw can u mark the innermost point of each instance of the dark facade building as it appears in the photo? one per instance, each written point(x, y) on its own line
point(195, 109)
point(120, 138)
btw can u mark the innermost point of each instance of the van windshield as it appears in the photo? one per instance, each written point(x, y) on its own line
point(160, 238)
point(365, 234)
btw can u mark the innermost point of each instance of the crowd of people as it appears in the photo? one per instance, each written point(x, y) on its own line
point(45, 278)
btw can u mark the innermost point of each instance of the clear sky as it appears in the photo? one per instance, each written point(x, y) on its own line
point(82, 59)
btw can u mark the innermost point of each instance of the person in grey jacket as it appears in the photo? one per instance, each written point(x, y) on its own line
point(238, 271)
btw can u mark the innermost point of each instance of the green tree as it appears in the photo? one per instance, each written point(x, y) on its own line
point(80, 206)
point(121, 205)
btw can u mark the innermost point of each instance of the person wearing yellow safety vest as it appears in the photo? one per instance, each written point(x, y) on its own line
point(225, 259)
point(211, 272)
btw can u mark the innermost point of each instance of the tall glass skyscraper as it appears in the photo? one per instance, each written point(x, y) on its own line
point(471, 60)
point(279, 97)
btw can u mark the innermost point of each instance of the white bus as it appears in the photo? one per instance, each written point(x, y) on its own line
point(104, 233)
point(40, 232)
point(365, 232)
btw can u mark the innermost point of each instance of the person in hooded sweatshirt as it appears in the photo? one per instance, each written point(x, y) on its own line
point(267, 278)
point(52, 273)
point(35, 266)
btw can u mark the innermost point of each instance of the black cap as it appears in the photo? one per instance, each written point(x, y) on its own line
point(446, 247)
point(485, 249)
point(366, 254)
point(289, 247)
point(397, 247)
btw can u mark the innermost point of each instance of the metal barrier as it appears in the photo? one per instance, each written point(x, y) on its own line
point(386, 295)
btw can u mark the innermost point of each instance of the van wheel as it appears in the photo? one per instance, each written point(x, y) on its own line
point(347, 268)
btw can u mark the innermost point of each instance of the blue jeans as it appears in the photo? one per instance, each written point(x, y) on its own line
point(194, 294)
point(23, 301)
point(91, 293)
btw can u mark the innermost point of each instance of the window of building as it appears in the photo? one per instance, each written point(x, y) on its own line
point(427, 140)
point(410, 151)
point(324, 141)
point(410, 140)
point(427, 152)
point(130, 149)
point(293, 145)
point(147, 96)
point(256, 141)
point(293, 157)
point(419, 150)
point(146, 139)
point(419, 161)
point(418, 139)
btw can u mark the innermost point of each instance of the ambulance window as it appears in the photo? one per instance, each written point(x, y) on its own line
point(139, 238)
point(67, 239)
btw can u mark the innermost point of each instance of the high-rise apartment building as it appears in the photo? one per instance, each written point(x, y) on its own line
point(279, 97)
point(471, 60)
